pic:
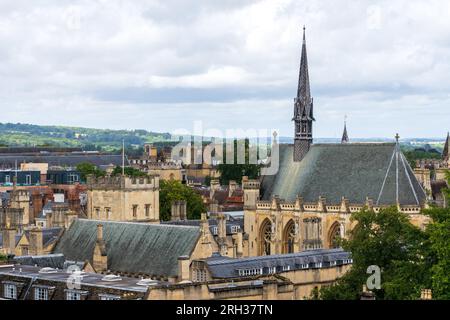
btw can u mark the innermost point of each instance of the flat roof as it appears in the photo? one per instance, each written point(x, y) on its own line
point(88, 279)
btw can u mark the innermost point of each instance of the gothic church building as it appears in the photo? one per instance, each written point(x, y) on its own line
point(307, 204)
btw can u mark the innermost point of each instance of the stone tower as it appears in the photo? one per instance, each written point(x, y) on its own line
point(303, 109)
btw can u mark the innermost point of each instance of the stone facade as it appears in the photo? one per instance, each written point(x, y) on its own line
point(277, 226)
point(123, 198)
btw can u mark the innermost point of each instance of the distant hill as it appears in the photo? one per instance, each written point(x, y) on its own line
point(29, 135)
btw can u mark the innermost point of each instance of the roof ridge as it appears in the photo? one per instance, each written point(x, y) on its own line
point(138, 223)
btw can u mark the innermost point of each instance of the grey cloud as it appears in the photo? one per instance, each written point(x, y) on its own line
point(124, 61)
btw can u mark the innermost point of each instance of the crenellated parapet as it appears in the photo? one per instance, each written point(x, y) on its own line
point(321, 206)
point(123, 182)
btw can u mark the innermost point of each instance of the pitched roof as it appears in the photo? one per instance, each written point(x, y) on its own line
point(49, 260)
point(131, 247)
point(49, 235)
point(224, 267)
point(351, 170)
point(69, 159)
point(229, 224)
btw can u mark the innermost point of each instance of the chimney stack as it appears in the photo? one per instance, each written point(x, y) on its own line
point(221, 225)
point(100, 258)
point(99, 232)
point(232, 186)
point(36, 242)
point(183, 268)
point(9, 240)
point(179, 210)
point(214, 186)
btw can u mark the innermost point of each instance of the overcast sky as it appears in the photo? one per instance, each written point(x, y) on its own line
point(161, 65)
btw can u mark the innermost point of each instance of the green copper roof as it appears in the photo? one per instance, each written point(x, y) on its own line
point(351, 170)
point(131, 247)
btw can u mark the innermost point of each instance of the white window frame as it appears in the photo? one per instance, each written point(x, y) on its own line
point(73, 295)
point(235, 229)
point(215, 231)
point(28, 179)
point(10, 291)
point(7, 178)
point(287, 268)
point(40, 293)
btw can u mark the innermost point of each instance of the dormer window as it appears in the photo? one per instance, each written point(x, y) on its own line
point(10, 291)
point(40, 293)
point(73, 295)
point(235, 229)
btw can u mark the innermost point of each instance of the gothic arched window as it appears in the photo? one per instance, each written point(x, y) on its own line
point(335, 235)
point(266, 237)
point(289, 237)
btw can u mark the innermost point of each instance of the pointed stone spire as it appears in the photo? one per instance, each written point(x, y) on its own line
point(303, 90)
point(345, 135)
point(303, 108)
point(446, 152)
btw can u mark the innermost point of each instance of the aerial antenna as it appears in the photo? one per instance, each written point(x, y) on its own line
point(123, 157)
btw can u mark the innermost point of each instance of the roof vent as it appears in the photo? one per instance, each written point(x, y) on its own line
point(147, 282)
point(48, 270)
point(111, 277)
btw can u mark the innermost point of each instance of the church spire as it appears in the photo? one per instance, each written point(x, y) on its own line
point(345, 138)
point(303, 90)
point(303, 108)
point(446, 153)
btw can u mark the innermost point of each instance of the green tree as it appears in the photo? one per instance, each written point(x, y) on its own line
point(234, 171)
point(86, 168)
point(388, 240)
point(438, 233)
point(171, 190)
point(3, 258)
point(129, 171)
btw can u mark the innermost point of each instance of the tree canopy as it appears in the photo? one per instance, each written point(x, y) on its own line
point(235, 171)
point(410, 259)
point(129, 171)
point(85, 169)
point(171, 190)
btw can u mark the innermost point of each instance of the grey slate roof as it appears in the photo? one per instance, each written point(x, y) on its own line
point(69, 159)
point(351, 170)
point(212, 223)
point(43, 261)
point(131, 247)
point(224, 267)
point(56, 261)
point(49, 235)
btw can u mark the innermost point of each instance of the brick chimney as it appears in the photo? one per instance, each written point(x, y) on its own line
point(36, 242)
point(214, 186)
point(232, 186)
point(100, 258)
